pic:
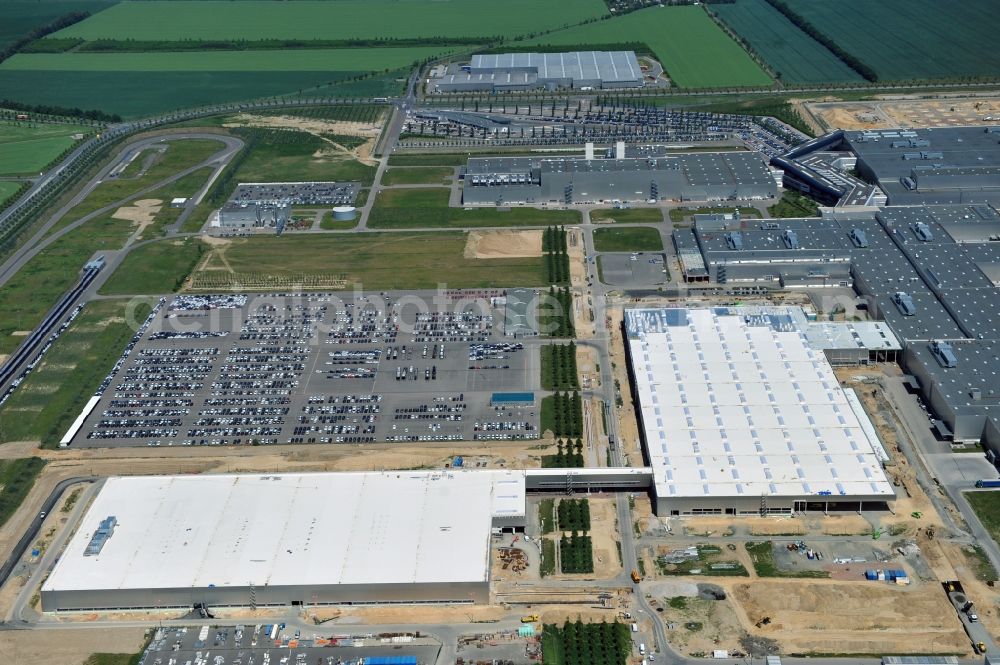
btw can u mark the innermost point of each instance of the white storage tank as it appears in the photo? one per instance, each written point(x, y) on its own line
point(344, 213)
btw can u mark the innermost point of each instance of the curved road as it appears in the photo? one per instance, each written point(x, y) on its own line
point(39, 241)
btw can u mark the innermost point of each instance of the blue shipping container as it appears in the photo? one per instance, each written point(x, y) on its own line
point(457, 462)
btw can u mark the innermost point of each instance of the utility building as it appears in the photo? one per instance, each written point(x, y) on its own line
point(287, 539)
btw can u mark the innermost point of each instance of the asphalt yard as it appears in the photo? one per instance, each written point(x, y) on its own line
point(319, 368)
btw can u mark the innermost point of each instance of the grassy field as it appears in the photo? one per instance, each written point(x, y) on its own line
point(328, 223)
point(17, 476)
point(428, 208)
point(428, 160)
point(930, 39)
point(157, 267)
point(302, 60)
point(52, 396)
point(627, 215)
point(987, 507)
point(373, 261)
point(793, 55)
point(694, 51)
point(28, 149)
point(345, 19)
point(430, 175)
point(7, 188)
point(628, 239)
point(288, 156)
point(29, 294)
point(547, 515)
point(793, 204)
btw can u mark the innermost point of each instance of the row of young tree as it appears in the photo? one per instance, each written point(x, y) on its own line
point(588, 643)
point(560, 367)
point(569, 455)
point(567, 409)
point(574, 515)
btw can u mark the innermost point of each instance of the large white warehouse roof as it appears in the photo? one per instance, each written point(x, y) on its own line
point(737, 404)
point(314, 529)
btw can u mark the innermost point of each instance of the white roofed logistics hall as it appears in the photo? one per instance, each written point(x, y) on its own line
point(286, 539)
point(740, 415)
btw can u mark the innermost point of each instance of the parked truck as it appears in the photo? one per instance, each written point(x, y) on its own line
point(530, 618)
point(636, 577)
point(988, 483)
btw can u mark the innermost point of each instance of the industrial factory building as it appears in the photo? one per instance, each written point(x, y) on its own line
point(945, 165)
point(723, 176)
point(528, 71)
point(287, 539)
point(929, 275)
point(740, 415)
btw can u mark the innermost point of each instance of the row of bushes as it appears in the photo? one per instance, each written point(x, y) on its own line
point(586, 644)
point(574, 515)
point(569, 456)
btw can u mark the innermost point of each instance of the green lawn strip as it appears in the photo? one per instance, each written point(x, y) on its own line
point(546, 515)
point(155, 268)
point(763, 563)
point(422, 159)
point(628, 239)
point(51, 397)
point(548, 565)
point(328, 223)
point(375, 260)
point(793, 204)
point(680, 214)
point(425, 175)
point(427, 207)
point(627, 215)
point(17, 477)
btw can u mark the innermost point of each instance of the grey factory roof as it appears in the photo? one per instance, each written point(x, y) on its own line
point(978, 368)
point(943, 165)
point(605, 66)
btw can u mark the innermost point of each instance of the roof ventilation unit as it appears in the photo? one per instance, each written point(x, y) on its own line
point(791, 239)
point(922, 231)
point(859, 238)
point(104, 531)
point(734, 240)
point(944, 353)
point(905, 303)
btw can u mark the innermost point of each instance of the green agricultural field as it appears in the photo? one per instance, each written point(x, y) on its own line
point(304, 60)
point(377, 261)
point(427, 207)
point(694, 51)
point(429, 175)
point(627, 215)
point(912, 39)
point(793, 55)
point(28, 148)
point(344, 19)
point(628, 239)
point(155, 268)
point(19, 17)
point(48, 401)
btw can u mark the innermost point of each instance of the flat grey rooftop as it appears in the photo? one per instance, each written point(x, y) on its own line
point(605, 66)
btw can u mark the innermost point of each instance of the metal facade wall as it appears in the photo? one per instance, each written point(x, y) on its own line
point(109, 599)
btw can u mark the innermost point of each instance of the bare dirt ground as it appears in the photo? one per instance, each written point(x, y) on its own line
point(828, 616)
point(140, 212)
point(700, 626)
point(628, 428)
point(503, 244)
point(66, 646)
point(888, 114)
